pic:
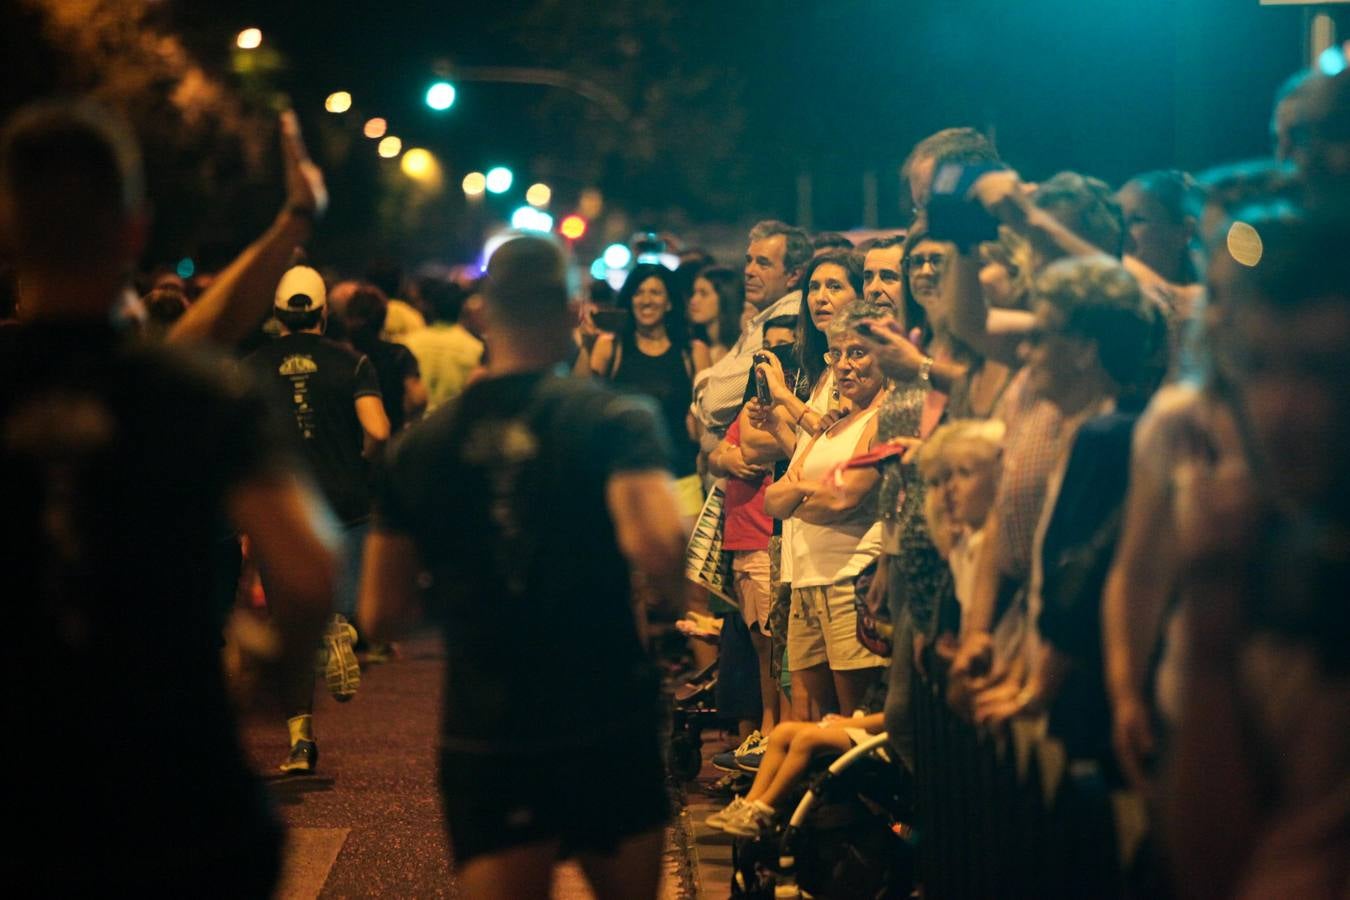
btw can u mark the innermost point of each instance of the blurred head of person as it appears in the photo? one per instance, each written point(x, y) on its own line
point(72, 204)
point(829, 240)
point(958, 145)
point(650, 295)
point(1162, 211)
point(715, 305)
point(163, 306)
point(525, 300)
point(883, 273)
point(301, 301)
point(961, 464)
point(364, 314)
point(831, 282)
point(1006, 270)
point(1319, 145)
point(1086, 206)
point(1095, 336)
point(774, 260)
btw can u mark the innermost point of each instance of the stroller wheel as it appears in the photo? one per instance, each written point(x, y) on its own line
point(686, 756)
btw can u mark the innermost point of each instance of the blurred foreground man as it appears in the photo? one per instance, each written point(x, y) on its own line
point(546, 669)
point(122, 465)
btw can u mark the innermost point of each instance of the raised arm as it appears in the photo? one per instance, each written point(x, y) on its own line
point(241, 295)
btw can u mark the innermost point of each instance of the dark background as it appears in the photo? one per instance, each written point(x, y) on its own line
point(730, 102)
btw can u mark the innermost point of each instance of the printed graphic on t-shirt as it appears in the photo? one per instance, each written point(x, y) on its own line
point(501, 449)
point(297, 368)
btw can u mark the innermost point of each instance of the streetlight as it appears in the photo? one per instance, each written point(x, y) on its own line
point(617, 256)
point(375, 128)
point(573, 227)
point(338, 102)
point(539, 195)
point(499, 179)
point(441, 96)
point(474, 184)
point(418, 164)
point(390, 147)
point(249, 39)
point(527, 218)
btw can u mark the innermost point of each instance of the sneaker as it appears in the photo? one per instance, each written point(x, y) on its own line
point(753, 818)
point(304, 756)
point(749, 762)
point(719, 818)
point(728, 759)
point(342, 672)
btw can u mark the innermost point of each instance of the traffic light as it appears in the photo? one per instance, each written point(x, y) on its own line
point(441, 96)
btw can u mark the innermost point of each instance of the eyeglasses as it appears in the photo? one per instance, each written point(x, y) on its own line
point(854, 354)
point(916, 261)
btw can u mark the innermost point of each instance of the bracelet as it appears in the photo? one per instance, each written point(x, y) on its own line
point(806, 408)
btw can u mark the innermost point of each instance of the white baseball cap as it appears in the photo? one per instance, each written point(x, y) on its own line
point(301, 289)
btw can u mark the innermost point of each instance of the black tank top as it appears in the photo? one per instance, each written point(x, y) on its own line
point(666, 380)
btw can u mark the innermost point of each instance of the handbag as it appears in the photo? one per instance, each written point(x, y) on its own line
point(706, 562)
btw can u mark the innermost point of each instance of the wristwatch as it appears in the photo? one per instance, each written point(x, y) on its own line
point(926, 370)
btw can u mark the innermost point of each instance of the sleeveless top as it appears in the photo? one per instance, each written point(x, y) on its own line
point(666, 380)
point(828, 554)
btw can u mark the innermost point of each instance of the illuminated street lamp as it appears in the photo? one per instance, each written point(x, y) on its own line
point(527, 218)
point(249, 39)
point(375, 128)
point(474, 184)
point(539, 195)
point(441, 96)
point(390, 147)
point(499, 179)
point(618, 256)
point(338, 102)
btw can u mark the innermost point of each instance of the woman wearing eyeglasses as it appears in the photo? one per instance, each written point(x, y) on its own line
point(835, 534)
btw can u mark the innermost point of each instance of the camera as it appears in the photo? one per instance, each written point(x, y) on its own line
point(951, 216)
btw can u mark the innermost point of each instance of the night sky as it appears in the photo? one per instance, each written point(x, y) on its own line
point(731, 101)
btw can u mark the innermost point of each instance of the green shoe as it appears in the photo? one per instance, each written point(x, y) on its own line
point(342, 672)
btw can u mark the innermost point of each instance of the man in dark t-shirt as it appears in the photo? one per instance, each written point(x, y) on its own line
point(333, 397)
point(530, 500)
point(118, 463)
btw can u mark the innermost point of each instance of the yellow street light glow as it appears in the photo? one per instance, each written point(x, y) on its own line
point(418, 163)
point(474, 184)
point(539, 195)
point(338, 102)
point(375, 128)
point(573, 227)
point(249, 39)
point(390, 147)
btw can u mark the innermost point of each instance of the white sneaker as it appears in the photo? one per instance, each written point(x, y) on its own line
point(750, 821)
point(719, 818)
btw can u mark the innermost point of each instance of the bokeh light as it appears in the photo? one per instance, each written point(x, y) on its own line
point(186, 267)
point(539, 195)
point(338, 102)
point(573, 227)
point(375, 128)
point(441, 96)
point(249, 39)
point(527, 218)
point(499, 179)
point(598, 269)
point(618, 256)
point(591, 204)
point(1244, 244)
point(390, 147)
point(474, 184)
point(418, 163)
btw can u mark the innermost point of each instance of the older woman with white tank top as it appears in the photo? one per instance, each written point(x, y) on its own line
point(835, 532)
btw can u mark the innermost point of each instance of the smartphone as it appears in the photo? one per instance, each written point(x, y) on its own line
point(762, 382)
point(609, 319)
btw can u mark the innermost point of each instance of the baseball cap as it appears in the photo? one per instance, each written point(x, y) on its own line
point(301, 290)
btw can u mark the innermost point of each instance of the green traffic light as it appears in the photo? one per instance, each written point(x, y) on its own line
point(441, 96)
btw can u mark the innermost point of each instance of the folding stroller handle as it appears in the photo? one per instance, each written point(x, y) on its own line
point(866, 748)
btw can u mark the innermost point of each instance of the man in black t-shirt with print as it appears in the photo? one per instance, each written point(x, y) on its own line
point(119, 461)
point(531, 499)
point(333, 397)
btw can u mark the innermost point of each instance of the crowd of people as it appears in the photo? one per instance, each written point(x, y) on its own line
point(1066, 451)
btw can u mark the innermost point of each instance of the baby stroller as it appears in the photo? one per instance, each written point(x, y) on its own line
point(848, 837)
